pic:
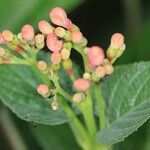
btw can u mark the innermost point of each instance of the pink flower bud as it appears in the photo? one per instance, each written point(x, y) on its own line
point(81, 84)
point(77, 37)
point(43, 89)
point(45, 27)
point(2, 41)
point(60, 32)
point(95, 56)
point(53, 43)
point(59, 17)
point(39, 39)
point(42, 65)
point(27, 32)
point(100, 72)
point(55, 58)
point(117, 40)
point(109, 69)
point(7, 35)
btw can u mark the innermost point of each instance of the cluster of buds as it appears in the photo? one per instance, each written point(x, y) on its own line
point(99, 66)
point(60, 38)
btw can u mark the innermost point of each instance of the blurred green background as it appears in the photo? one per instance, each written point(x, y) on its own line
point(97, 19)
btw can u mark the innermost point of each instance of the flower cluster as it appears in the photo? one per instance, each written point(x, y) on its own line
point(60, 38)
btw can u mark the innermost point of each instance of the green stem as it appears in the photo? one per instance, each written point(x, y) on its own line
point(77, 128)
point(86, 107)
point(85, 60)
point(101, 107)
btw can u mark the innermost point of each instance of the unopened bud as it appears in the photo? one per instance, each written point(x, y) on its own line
point(75, 28)
point(2, 52)
point(39, 39)
point(53, 43)
point(78, 97)
point(2, 41)
point(59, 17)
point(77, 37)
point(86, 50)
point(86, 75)
point(117, 40)
point(43, 90)
point(54, 105)
point(81, 84)
point(67, 64)
point(60, 32)
point(42, 65)
point(45, 27)
point(27, 32)
point(65, 53)
point(100, 71)
point(56, 67)
point(84, 42)
point(95, 56)
point(55, 58)
point(68, 36)
point(7, 35)
point(67, 45)
point(116, 47)
point(109, 69)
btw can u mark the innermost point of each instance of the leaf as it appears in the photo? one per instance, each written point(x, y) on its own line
point(56, 137)
point(18, 92)
point(30, 11)
point(127, 100)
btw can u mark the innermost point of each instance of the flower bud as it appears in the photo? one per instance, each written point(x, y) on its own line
point(2, 52)
point(59, 17)
point(100, 71)
point(86, 75)
point(117, 40)
point(55, 58)
point(65, 53)
point(54, 105)
point(84, 42)
point(77, 37)
point(53, 43)
point(42, 65)
point(78, 97)
point(67, 45)
point(109, 69)
point(116, 47)
point(43, 90)
point(39, 39)
point(81, 84)
point(67, 65)
point(67, 36)
point(45, 27)
point(2, 41)
point(60, 32)
point(95, 56)
point(56, 67)
point(75, 28)
point(27, 32)
point(86, 50)
point(7, 35)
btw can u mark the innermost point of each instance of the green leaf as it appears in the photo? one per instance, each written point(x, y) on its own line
point(18, 91)
point(56, 137)
point(127, 99)
point(30, 11)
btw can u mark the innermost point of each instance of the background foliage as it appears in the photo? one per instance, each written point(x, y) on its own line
point(98, 19)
